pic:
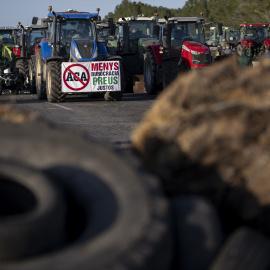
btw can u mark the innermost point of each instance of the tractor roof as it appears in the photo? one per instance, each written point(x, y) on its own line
point(8, 28)
point(254, 24)
point(138, 18)
point(186, 19)
point(71, 14)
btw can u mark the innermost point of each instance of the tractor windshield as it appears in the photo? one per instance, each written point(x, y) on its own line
point(258, 33)
point(6, 37)
point(140, 29)
point(36, 36)
point(187, 31)
point(72, 29)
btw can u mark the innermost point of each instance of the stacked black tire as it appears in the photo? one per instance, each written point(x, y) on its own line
point(67, 202)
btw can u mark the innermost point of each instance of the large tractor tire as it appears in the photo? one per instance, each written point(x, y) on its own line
point(1, 87)
point(117, 95)
point(150, 74)
point(239, 48)
point(53, 82)
point(117, 217)
point(40, 87)
point(170, 71)
point(30, 204)
point(129, 74)
point(23, 79)
point(32, 77)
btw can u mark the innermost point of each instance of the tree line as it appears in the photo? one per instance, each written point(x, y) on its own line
point(228, 12)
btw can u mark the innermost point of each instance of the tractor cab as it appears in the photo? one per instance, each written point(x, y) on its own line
point(9, 40)
point(254, 36)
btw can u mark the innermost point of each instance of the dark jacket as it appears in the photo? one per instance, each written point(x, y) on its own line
point(245, 60)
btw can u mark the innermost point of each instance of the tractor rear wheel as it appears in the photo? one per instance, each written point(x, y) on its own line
point(41, 91)
point(150, 74)
point(53, 82)
point(32, 79)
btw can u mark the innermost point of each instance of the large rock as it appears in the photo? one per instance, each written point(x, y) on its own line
point(208, 133)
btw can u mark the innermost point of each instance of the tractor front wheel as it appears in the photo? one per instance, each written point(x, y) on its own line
point(22, 67)
point(116, 95)
point(53, 82)
point(239, 48)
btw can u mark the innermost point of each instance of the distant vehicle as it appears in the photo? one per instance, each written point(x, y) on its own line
point(254, 36)
point(30, 37)
point(9, 50)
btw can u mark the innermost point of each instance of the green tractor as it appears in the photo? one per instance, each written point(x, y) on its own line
point(9, 50)
point(134, 35)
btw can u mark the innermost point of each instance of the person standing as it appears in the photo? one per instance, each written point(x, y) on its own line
point(267, 53)
point(244, 60)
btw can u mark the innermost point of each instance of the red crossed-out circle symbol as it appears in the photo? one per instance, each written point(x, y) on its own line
point(80, 82)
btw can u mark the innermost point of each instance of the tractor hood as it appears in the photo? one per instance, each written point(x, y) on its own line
point(191, 46)
point(83, 50)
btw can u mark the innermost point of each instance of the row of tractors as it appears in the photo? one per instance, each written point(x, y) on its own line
point(156, 48)
point(255, 37)
point(75, 52)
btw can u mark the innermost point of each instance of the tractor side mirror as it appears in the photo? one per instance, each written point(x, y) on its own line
point(34, 20)
point(166, 40)
point(111, 26)
point(219, 29)
point(44, 23)
point(125, 37)
point(156, 31)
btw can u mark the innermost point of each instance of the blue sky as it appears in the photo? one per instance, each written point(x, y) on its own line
point(14, 11)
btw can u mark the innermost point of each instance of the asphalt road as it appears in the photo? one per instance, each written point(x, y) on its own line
point(108, 122)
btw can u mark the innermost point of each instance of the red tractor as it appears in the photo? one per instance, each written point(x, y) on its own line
point(254, 36)
point(180, 49)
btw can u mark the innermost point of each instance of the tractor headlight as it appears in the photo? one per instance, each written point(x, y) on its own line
point(77, 53)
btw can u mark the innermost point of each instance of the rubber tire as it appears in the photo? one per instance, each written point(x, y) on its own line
point(53, 82)
point(15, 89)
point(245, 249)
point(29, 205)
point(195, 220)
point(150, 74)
point(128, 74)
point(129, 226)
point(32, 77)
point(239, 48)
point(170, 71)
point(40, 87)
point(22, 66)
point(116, 95)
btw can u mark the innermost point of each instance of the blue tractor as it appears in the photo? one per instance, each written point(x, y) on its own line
point(72, 61)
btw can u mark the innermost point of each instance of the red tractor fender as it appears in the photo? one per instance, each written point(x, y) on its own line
point(246, 43)
point(158, 52)
point(267, 42)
